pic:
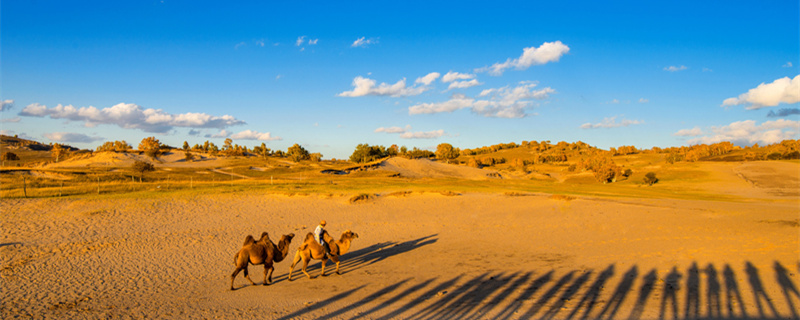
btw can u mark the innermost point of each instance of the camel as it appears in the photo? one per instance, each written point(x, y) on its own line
point(258, 252)
point(310, 249)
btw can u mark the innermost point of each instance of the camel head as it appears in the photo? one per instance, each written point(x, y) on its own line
point(287, 238)
point(349, 235)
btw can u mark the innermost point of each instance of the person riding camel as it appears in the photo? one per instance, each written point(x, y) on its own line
point(318, 232)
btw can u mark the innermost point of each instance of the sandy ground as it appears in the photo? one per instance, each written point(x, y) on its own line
point(419, 256)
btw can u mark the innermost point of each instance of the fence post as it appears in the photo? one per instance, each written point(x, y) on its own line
point(24, 187)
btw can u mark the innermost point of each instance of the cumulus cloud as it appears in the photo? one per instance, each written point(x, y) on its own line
point(254, 135)
point(547, 52)
point(783, 90)
point(6, 105)
point(745, 133)
point(689, 132)
point(453, 76)
point(366, 87)
point(131, 116)
point(788, 65)
point(428, 79)
point(363, 42)
point(221, 134)
point(675, 69)
point(71, 137)
point(610, 122)
point(497, 102)
point(464, 84)
point(785, 112)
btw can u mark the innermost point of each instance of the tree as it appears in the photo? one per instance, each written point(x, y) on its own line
point(141, 167)
point(228, 144)
point(187, 155)
point(367, 153)
point(445, 151)
point(57, 151)
point(650, 178)
point(151, 146)
point(316, 157)
point(185, 146)
point(297, 153)
point(10, 156)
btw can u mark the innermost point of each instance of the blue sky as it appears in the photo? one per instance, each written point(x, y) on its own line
point(331, 75)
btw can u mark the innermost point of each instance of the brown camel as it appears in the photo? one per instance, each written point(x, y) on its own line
point(310, 249)
point(258, 252)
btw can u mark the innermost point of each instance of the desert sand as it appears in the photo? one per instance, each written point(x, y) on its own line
point(418, 255)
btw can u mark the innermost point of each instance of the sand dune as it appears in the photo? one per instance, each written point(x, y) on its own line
point(424, 168)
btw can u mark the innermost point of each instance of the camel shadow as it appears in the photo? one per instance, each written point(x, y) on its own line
point(372, 254)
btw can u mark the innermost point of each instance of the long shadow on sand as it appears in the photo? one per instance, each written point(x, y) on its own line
point(575, 294)
point(360, 258)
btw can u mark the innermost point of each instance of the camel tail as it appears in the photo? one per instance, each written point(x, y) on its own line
point(249, 240)
point(236, 259)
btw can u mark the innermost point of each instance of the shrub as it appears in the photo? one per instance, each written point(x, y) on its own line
point(10, 156)
point(141, 167)
point(650, 178)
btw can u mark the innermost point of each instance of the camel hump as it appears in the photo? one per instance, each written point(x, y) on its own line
point(264, 237)
point(249, 240)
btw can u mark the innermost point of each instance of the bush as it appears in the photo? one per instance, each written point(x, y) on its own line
point(650, 178)
point(10, 156)
point(141, 167)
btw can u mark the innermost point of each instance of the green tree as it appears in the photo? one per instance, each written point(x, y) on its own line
point(366, 153)
point(151, 146)
point(445, 151)
point(185, 146)
point(141, 167)
point(297, 153)
point(650, 178)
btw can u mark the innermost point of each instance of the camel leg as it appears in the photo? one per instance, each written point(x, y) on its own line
point(247, 276)
point(268, 276)
point(305, 265)
point(294, 262)
point(233, 276)
point(337, 267)
point(324, 260)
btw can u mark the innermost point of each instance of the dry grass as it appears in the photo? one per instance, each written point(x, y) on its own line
point(364, 197)
point(562, 197)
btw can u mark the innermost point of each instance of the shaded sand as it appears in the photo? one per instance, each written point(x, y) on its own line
point(477, 256)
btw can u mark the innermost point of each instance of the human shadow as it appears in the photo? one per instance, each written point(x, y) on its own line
point(565, 294)
point(10, 244)
point(758, 290)
point(787, 286)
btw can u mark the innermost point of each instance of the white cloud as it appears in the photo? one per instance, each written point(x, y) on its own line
point(614, 101)
point(366, 87)
point(745, 133)
point(394, 129)
point(131, 116)
point(428, 79)
point(464, 84)
point(547, 52)
point(71, 137)
point(675, 69)
point(689, 132)
point(221, 134)
point(457, 102)
point(312, 41)
point(783, 90)
point(363, 42)
point(453, 76)
point(239, 45)
point(643, 100)
point(500, 103)
point(254, 135)
point(788, 65)
point(261, 43)
point(611, 122)
point(11, 120)
point(6, 105)
point(423, 135)
point(300, 41)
